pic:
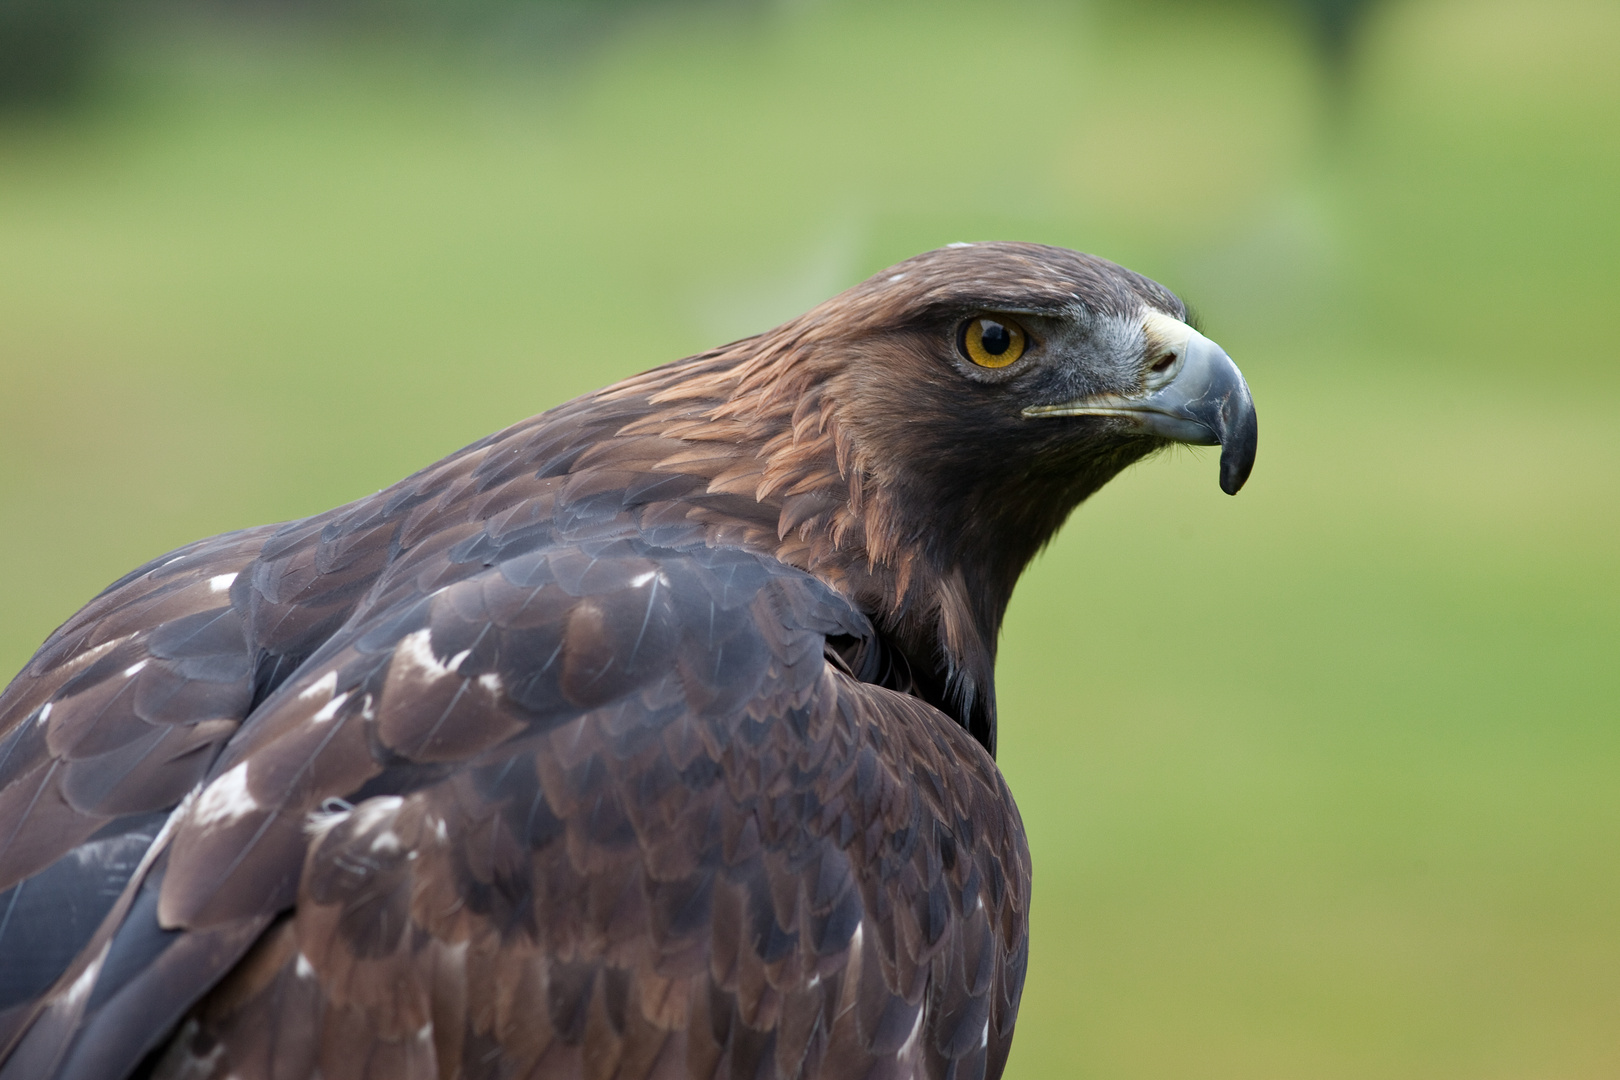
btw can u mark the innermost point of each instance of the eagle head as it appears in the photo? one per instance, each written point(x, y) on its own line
point(1002, 383)
point(918, 438)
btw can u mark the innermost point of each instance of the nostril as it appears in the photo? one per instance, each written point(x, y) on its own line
point(1163, 363)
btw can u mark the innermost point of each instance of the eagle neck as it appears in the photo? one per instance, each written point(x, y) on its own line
point(784, 473)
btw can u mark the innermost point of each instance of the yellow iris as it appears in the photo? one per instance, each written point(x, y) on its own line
point(992, 343)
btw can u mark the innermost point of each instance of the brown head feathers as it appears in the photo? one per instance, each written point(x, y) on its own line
point(853, 447)
point(645, 738)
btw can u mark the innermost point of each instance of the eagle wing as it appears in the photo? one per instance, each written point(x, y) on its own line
point(574, 808)
point(118, 715)
point(127, 706)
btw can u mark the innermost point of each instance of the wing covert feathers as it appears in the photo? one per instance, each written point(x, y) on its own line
point(661, 853)
point(533, 765)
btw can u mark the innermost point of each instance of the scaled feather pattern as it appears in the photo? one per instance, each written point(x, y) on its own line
point(651, 737)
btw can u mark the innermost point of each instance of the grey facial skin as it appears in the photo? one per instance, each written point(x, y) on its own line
point(1193, 393)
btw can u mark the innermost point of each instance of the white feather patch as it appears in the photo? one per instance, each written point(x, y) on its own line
point(416, 650)
point(330, 709)
point(375, 810)
point(87, 978)
point(329, 814)
point(227, 799)
point(326, 684)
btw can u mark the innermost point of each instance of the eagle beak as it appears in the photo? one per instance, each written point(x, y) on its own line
point(1199, 398)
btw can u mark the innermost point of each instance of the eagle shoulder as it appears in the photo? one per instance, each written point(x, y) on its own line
point(606, 809)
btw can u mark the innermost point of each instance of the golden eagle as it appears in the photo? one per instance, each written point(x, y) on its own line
point(649, 738)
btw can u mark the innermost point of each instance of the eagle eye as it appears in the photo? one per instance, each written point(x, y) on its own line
point(991, 343)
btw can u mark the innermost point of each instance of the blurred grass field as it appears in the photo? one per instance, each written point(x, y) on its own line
point(1322, 781)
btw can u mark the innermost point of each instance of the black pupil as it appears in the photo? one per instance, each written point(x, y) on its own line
point(996, 338)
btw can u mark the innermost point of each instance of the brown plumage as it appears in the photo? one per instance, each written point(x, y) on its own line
point(650, 737)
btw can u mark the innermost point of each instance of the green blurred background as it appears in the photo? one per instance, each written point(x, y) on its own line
point(1322, 781)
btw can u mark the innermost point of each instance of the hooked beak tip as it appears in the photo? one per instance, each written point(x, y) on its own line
point(1239, 439)
point(1206, 401)
point(1212, 391)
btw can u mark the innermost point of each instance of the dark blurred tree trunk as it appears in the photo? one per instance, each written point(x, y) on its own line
point(48, 48)
point(1334, 26)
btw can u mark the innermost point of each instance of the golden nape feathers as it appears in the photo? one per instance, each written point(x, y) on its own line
point(649, 737)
